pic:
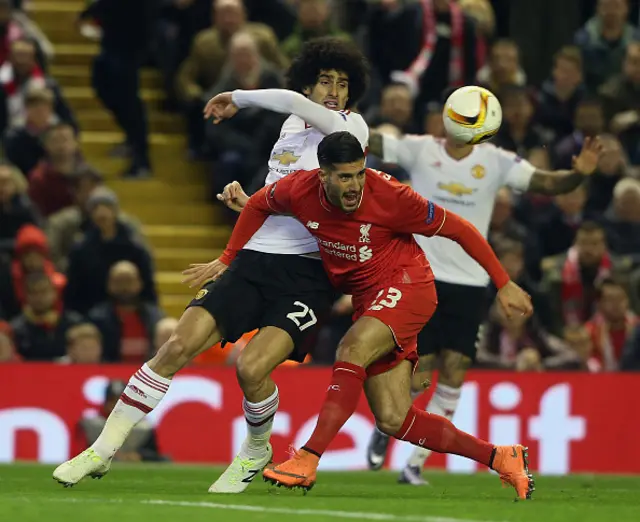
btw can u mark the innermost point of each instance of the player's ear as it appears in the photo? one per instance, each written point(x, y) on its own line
point(306, 91)
point(322, 174)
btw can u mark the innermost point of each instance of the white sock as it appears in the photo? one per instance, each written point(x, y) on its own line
point(444, 403)
point(259, 417)
point(143, 393)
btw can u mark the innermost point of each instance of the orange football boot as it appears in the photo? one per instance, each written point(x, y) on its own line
point(297, 472)
point(512, 463)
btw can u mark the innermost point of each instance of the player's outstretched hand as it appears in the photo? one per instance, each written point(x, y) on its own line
point(200, 273)
point(234, 196)
point(220, 107)
point(587, 161)
point(514, 300)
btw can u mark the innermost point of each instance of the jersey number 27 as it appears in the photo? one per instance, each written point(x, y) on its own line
point(303, 318)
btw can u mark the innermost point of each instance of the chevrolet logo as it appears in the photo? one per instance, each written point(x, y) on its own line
point(286, 157)
point(457, 189)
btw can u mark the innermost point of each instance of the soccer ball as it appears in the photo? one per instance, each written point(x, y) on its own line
point(472, 115)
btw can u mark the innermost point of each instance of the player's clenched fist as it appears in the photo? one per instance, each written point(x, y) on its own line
point(200, 273)
point(233, 196)
point(514, 299)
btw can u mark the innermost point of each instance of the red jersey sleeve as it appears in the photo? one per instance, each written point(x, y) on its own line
point(417, 215)
point(271, 199)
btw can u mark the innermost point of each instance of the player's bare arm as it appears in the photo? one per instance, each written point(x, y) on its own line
point(562, 181)
point(220, 107)
point(200, 273)
point(376, 143)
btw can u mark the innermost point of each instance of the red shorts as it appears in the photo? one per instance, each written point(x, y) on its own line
point(405, 309)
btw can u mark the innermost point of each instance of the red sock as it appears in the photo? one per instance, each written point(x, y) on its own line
point(439, 434)
point(340, 403)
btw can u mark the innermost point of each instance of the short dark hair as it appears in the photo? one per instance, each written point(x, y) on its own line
point(324, 54)
point(570, 53)
point(55, 127)
point(513, 91)
point(339, 147)
point(114, 389)
point(591, 100)
point(590, 226)
point(608, 281)
point(506, 42)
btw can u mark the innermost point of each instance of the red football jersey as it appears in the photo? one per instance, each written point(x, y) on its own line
point(372, 247)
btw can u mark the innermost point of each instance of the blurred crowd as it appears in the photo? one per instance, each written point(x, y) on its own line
point(77, 278)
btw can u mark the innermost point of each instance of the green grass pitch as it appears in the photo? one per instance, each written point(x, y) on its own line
point(140, 493)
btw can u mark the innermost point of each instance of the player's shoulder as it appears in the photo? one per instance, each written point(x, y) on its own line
point(382, 182)
point(493, 151)
point(423, 140)
point(354, 119)
point(355, 123)
point(348, 114)
point(302, 178)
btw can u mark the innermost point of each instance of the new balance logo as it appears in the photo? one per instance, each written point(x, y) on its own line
point(334, 387)
point(421, 442)
point(250, 475)
point(137, 391)
point(312, 225)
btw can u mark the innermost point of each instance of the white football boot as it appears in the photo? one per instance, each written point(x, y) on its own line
point(86, 464)
point(412, 475)
point(241, 472)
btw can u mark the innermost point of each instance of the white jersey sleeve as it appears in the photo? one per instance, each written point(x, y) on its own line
point(516, 171)
point(403, 151)
point(316, 115)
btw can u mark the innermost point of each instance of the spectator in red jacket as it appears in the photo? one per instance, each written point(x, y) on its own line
point(31, 256)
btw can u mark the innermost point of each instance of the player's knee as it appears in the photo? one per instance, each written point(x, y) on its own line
point(251, 369)
point(389, 421)
point(172, 356)
point(454, 369)
point(352, 350)
point(455, 379)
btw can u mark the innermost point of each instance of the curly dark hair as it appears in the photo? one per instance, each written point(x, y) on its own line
point(325, 54)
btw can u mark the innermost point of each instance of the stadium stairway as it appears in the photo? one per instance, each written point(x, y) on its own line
point(181, 225)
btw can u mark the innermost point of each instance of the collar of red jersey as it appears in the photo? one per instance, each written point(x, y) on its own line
point(323, 198)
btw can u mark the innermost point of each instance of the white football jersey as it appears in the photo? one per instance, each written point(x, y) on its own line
point(297, 149)
point(467, 187)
